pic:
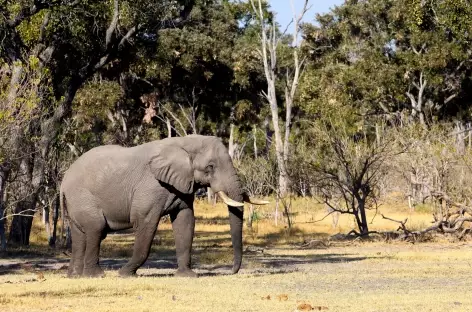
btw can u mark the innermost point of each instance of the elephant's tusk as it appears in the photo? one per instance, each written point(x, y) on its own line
point(255, 201)
point(228, 201)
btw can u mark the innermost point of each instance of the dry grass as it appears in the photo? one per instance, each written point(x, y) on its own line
point(276, 276)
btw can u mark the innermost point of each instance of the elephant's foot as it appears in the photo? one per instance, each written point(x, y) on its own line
point(74, 272)
point(125, 272)
point(95, 271)
point(185, 273)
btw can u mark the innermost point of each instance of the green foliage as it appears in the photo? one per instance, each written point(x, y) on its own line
point(96, 99)
point(368, 55)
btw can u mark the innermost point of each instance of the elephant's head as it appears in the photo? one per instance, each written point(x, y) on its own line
point(196, 160)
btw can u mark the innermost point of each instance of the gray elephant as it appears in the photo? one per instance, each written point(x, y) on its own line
point(111, 188)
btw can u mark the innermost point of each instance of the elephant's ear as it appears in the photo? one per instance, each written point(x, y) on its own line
point(172, 165)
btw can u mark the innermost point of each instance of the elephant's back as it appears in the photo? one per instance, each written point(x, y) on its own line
point(97, 165)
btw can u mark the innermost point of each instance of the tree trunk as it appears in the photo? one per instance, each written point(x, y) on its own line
point(362, 223)
point(279, 146)
point(268, 136)
point(169, 128)
point(22, 222)
point(68, 239)
point(17, 70)
point(47, 225)
point(55, 217)
point(250, 216)
point(25, 207)
point(4, 172)
point(254, 135)
point(287, 208)
point(231, 141)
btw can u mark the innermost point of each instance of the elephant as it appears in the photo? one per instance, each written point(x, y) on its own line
point(111, 188)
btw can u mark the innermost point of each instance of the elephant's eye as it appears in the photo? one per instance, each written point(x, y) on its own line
point(209, 169)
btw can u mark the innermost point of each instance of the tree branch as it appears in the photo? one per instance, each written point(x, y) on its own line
point(113, 25)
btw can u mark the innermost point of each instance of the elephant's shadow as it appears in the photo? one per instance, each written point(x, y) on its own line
point(260, 264)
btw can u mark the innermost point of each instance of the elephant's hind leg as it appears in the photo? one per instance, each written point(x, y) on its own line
point(76, 265)
point(143, 239)
point(93, 238)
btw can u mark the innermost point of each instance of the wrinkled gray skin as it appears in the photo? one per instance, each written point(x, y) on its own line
point(112, 188)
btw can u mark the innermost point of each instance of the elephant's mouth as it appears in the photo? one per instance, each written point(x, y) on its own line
point(228, 201)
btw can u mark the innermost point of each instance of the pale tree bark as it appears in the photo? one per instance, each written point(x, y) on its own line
point(17, 70)
point(268, 52)
point(231, 141)
point(417, 101)
point(183, 130)
point(291, 82)
point(254, 136)
point(169, 128)
point(268, 135)
point(4, 172)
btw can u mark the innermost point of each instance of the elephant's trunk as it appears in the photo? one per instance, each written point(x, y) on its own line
point(235, 193)
point(236, 229)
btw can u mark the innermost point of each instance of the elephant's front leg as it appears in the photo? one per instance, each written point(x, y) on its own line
point(183, 224)
point(145, 232)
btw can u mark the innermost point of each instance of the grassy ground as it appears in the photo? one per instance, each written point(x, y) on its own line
point(277, 274)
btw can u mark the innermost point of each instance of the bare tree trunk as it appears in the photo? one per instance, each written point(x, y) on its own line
point(169, 128)
point(231, 141)
point(254, 134)
point(269, 43)
point(360, 215)
point(250, 216)
point(268, 135)
point(4, 172)
point(417, 108)
point(363, 226)
point(55, 217)
point(47, 224)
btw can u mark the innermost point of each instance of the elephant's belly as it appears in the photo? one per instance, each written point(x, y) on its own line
point(117, 218)
point(117, 225)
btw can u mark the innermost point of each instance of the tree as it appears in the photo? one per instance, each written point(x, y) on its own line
point(270, 44)
point(348, 170)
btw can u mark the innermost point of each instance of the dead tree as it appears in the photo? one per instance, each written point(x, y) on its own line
point(450, 218)
point(349, 175)
point(270, 41)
